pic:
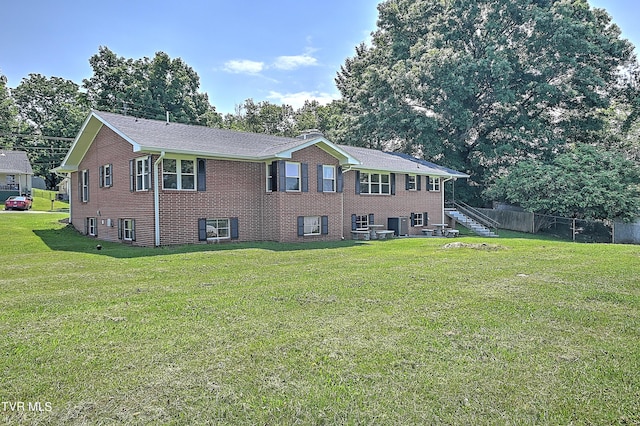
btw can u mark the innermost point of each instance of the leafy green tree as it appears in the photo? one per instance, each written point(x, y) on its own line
point(149, 88)
point(8, 112)
point(480, 85)
point(53, 110)
point(586, 182)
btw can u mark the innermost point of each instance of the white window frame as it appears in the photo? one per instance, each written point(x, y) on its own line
point(84, 186)
point(127, 229)
point(413, 184)
point(214, 227)
point(142, 172)
point(434, 184)
point(362, 222)
point(107, 176)
point(328, 181)
point(289, 178)
point(92, 226)
point(418, 219)
point(180, 174)
point(312, 225)
point(374, 183)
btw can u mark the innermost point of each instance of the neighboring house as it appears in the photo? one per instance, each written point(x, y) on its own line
point(149, 182)
point(15, 173)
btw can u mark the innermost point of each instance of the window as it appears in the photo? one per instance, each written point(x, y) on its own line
point(313, 225)
point(84, 186)
point(328, 178)
point(411, 183)
point(142, 174)
point(178, 174)
point(374, 183)
point(292, 174)
point(271, 176)
point(106, 179)
point(434, 183)
point(218, 229)
point(127, 229)
point(92, 226)
point(418, 219)
point(362, 222)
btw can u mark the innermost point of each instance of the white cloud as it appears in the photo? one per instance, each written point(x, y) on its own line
point(296, 100)
point(243, 66)
point(294, 62)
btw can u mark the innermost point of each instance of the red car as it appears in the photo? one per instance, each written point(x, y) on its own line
point(17, 203)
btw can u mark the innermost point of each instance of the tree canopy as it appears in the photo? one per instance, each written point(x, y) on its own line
point(480, 85)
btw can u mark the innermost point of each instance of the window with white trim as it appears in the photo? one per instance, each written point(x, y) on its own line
point(127, 229)
point(106, 180)
point(328, 178)
point(178, 174)
point(418, 219)
point(84, 186)
point(411, 183)
point(311, 225)
point(362, 222)
point(143, 173)
point(218, 229)
point(92, 226)
point(292, 175)
point(375, 183)
point(434, 183)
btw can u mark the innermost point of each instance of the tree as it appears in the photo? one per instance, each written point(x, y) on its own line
point(480, 85)
point(8, 111)
point(149, 88)
point(586, 182)
point(51, 111)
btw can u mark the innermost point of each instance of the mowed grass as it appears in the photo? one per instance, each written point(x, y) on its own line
point(517, 331)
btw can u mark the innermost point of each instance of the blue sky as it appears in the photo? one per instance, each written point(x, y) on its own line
point(281, 51)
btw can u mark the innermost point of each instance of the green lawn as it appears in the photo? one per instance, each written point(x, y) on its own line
point(518, 331)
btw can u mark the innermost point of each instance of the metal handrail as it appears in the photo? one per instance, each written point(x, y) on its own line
point(476, 215)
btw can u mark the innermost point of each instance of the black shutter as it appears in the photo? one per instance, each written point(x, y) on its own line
point(282, 177)
point(304, 171)
point(425, 219)
point(133, 229)
point(80, 185)
point(339, 180)
point(320, 178)
point(353, 222)
point(132, 175)
point(371, 222)
point(406, 182)
point(202, 174)
point(87, 182)
point(273, 172)
point(86, 226)
point(357, 181)
point(202, 229)
point(120, 226)
point(234, 228)
point(413, 219)
point(324, 225)
point(110, 174)
point(101, 176)
point(393, 183)
point(418, 183)
point(300, 226)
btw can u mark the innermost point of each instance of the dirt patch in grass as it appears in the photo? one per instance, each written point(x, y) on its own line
point(475, 246)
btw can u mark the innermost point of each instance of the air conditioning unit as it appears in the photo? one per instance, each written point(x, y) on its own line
point(399, 226)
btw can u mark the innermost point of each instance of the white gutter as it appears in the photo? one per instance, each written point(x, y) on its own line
point(156, 198)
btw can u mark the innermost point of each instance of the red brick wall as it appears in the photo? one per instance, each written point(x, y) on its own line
point(233, 189)
point(403, 203)
point(116, 201)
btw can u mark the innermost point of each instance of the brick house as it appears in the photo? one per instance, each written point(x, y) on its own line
point(149, 182)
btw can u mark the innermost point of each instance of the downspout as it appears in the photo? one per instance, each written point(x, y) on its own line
point(156, 198)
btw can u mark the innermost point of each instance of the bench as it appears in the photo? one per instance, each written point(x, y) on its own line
point(451, 233)
point(428, 232)
point(360, 235)
point(384, 234)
